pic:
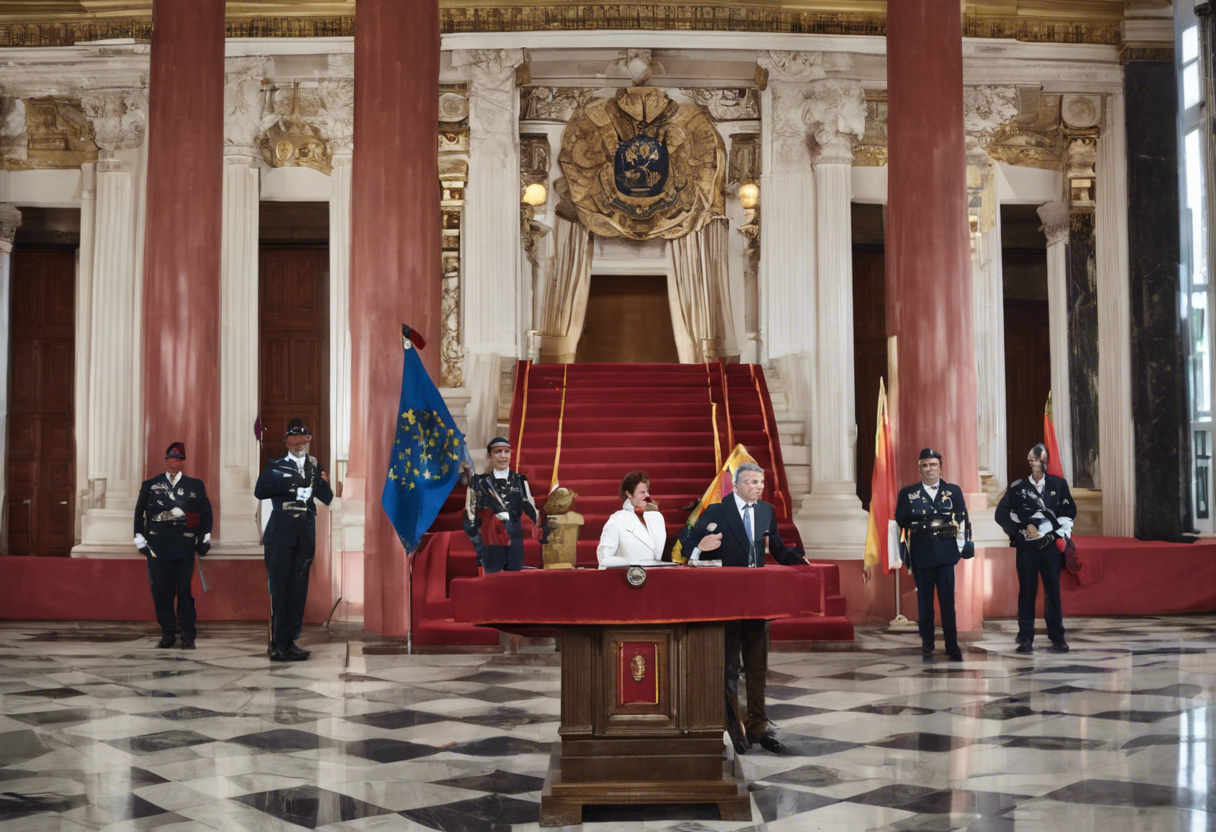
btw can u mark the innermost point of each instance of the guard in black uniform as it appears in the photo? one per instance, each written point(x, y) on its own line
point(292, 484)
point(504, 494)
point(172, 522)
point(1036, 512)
point(933, 515)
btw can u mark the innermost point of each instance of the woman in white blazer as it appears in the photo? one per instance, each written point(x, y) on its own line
point(633, 534)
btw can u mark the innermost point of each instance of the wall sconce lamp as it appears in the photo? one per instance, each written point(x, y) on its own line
point(535, 194)
point(749, 195)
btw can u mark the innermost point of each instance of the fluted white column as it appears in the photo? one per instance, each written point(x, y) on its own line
point(836, 113)
point(84, 330)
point(491, 222)
point(112, 350)
point(239, 348)
point(988, 314)
point(339, 311)
point(1054, 216)
point(1116, 451)
point(10, 219)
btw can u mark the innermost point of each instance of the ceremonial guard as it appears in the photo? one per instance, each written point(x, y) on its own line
point(494, 510)
point(172, 523)
point(292, 485)
point(933, 516)
point(1037, 513)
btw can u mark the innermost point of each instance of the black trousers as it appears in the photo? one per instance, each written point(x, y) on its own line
point(171, 579)
point(498, 558)
point(939, 579)
point(287, 569)
point(1034, 562)
point(747, 639)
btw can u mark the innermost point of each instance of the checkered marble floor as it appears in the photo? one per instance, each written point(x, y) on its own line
point(99, 730)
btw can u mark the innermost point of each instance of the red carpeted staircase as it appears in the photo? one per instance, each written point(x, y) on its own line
point(660, 418)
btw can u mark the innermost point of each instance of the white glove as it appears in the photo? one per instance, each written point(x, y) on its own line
point(304, 493)
point(140, 543)
point(207, 537)
point(503, 516)
point(177, 512)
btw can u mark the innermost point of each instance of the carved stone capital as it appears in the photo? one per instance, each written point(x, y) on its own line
point(244, 105)
point(835, 112)
point(491, 67)
point(10, 219)
point(118, 117)
point(337, 117)
point(1054, 216)
point(493, 101)
point(783, 65)
point(636, 64)
point(14, 137)
point(985, 109)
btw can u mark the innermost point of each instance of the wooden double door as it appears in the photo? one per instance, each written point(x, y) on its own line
point(41, 473)
point(294, 346)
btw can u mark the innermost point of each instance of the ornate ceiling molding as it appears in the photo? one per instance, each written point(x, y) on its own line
point(1061, 21)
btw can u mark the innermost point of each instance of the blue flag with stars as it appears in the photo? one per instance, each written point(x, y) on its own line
point(424, 463)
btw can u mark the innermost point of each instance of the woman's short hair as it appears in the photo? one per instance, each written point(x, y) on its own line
point(1040, 452)
point(631, 481)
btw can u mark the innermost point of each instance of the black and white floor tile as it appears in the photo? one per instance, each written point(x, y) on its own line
point(101, 731)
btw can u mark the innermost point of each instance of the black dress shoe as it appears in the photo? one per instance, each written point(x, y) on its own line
point(276, 655)
point(740, 747)
point(770, 743)
point(167, 640)
point(1022, 640)
point(187, 643)
point(1058, 647)
point(295, 654)
point(956, 656)
point(1025, 647)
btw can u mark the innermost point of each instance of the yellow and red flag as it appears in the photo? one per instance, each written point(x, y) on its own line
point(722, 485)
point(1055, 466)
point(882, 535)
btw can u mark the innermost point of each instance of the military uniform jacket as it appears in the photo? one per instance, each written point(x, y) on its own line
point(915, 509)
point(734, 550)
point(1022, 501)
point(173, 535)
point(515, 494)
point(292, 521)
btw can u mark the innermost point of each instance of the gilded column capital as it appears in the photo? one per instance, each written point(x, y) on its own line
point(244, 105)
point(118, 117)
point(835, 113)
point(1055, 219)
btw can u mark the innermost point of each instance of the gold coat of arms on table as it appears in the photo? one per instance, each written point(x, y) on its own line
point(641, 166)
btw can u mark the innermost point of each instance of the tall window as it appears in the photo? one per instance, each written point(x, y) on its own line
point(1194, 56)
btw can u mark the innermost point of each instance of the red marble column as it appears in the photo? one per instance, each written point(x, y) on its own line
point(929, 260)
point(182, 248)
point(395, 263)
point(927, 242)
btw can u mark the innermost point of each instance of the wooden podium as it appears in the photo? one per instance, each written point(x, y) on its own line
point(643, 676)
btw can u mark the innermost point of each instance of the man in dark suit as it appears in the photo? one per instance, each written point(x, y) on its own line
point(1036, 512)
point(933, 514)
point(740, 531)
point(172, 522)
point(292, 484)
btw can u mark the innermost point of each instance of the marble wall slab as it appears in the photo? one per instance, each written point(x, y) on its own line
point(1082, 283)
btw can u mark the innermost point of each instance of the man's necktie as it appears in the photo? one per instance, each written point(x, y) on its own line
point(751, 538)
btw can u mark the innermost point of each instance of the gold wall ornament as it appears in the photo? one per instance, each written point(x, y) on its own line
point(744, 165)
point(57, 135)
point(637, 667)
point(292, 141)
point(641, 166)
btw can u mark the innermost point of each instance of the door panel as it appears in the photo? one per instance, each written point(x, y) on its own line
point(294, 346)
point(1027, 379)
point(41, 436)
point(869, 355)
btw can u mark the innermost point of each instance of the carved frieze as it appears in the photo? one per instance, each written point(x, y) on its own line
point(337, 116)
point(985, 110)
point(1034, 137)
point(534, 155)
point(734, 104)
point(552, 103)
point(244, 103)
point(55, 132)
point(642, 166)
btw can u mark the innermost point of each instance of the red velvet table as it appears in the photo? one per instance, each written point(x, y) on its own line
point(643, 676)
